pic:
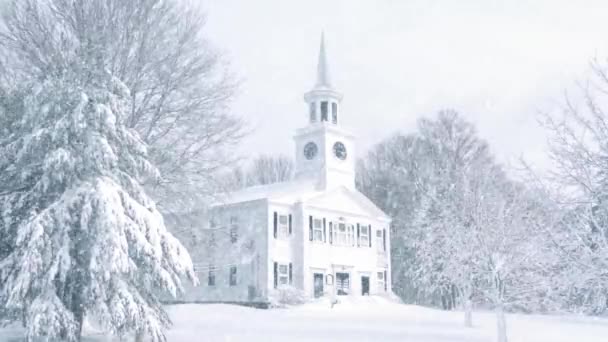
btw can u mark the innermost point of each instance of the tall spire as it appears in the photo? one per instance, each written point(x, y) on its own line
point(322, 68)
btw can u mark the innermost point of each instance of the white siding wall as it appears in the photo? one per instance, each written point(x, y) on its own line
point(248, 254)
point(355, 260)
point(284, 250)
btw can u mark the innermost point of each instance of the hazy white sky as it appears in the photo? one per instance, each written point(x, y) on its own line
point(497, 62)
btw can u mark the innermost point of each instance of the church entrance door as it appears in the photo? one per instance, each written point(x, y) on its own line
point(364, 285)
point(342, 284)
point(318, 284)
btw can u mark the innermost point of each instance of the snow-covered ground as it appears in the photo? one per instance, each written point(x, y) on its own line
point(363, 319)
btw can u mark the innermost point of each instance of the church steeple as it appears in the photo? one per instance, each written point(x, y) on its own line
point(325, 151)
point(323, 100)
point(323, 79)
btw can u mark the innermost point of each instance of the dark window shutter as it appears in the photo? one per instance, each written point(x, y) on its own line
point(289, 224)
point(276, 275)
point(369, 234)
point(358, 234)
point(385, 282)
point(275, 224)
point(324, 230)
point(290, 274)
point(331, 232)
point(384, 239)
point(310, 228)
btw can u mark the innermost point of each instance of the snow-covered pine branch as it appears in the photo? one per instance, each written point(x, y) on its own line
point(83, 239)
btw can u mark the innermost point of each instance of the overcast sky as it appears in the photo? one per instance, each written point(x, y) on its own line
point(496, 62)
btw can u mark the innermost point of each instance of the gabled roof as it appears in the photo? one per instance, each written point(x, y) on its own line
point(343, 199)
point(340, 199)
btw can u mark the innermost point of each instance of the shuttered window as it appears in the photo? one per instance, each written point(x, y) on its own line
point(380, 281)
point(364, 235)
point(283, 226)
point(379, 241)
point(317, 227)
point(283, 274)
point(234, 229)
point(211, 276)
point(232, 275)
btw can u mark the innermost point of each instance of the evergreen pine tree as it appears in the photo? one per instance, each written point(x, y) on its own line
point(81, 237)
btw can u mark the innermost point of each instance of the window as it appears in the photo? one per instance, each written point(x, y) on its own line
point(234, 229)
point(283, 274)
point(313, 112)
point(324, 111)
point(344, 235)
point(364, 236)
point(283, 226)
point(317, 230)
point(341, 238)
point(334, 113)
point(379, 241)
point(232, 275)
point(212, 240)
point(380, 281)
point(211, 276)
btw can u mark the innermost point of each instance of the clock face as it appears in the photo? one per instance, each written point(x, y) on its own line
point(340, 150)
point(310, 150)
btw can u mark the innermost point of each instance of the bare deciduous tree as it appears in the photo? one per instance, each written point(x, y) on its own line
point(181, 87)
point(263, 169)
point(579, 185)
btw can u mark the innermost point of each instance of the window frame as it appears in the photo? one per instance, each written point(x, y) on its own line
point(211, 276)
point(234, 229)
point(346, 237)
point(364, 228)
point(283, 228)
point(280, 274)
point(232, 276)
point(380, 280)
point(379, 241)
point(317, 230)
point(342, 234)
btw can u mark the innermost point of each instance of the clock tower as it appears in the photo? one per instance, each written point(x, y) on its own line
point(324, 150)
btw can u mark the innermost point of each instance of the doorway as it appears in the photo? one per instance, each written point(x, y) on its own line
point(342, 284)
point(364, 285)
point(318, 284)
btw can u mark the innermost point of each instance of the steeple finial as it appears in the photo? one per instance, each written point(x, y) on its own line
point(322, 68)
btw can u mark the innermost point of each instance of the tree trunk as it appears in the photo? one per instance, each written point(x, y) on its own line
point(468, 312)
point(139, 336)
point(501, 324)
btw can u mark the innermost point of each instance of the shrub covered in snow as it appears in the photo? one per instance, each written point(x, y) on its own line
point(286, 296)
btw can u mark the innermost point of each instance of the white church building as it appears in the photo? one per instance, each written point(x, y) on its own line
point(317, 233)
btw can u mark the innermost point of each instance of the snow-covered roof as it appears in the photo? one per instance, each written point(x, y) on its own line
point(308, 192)
point(286, 192)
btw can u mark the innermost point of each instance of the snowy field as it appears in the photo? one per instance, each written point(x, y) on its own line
point(367, 319)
